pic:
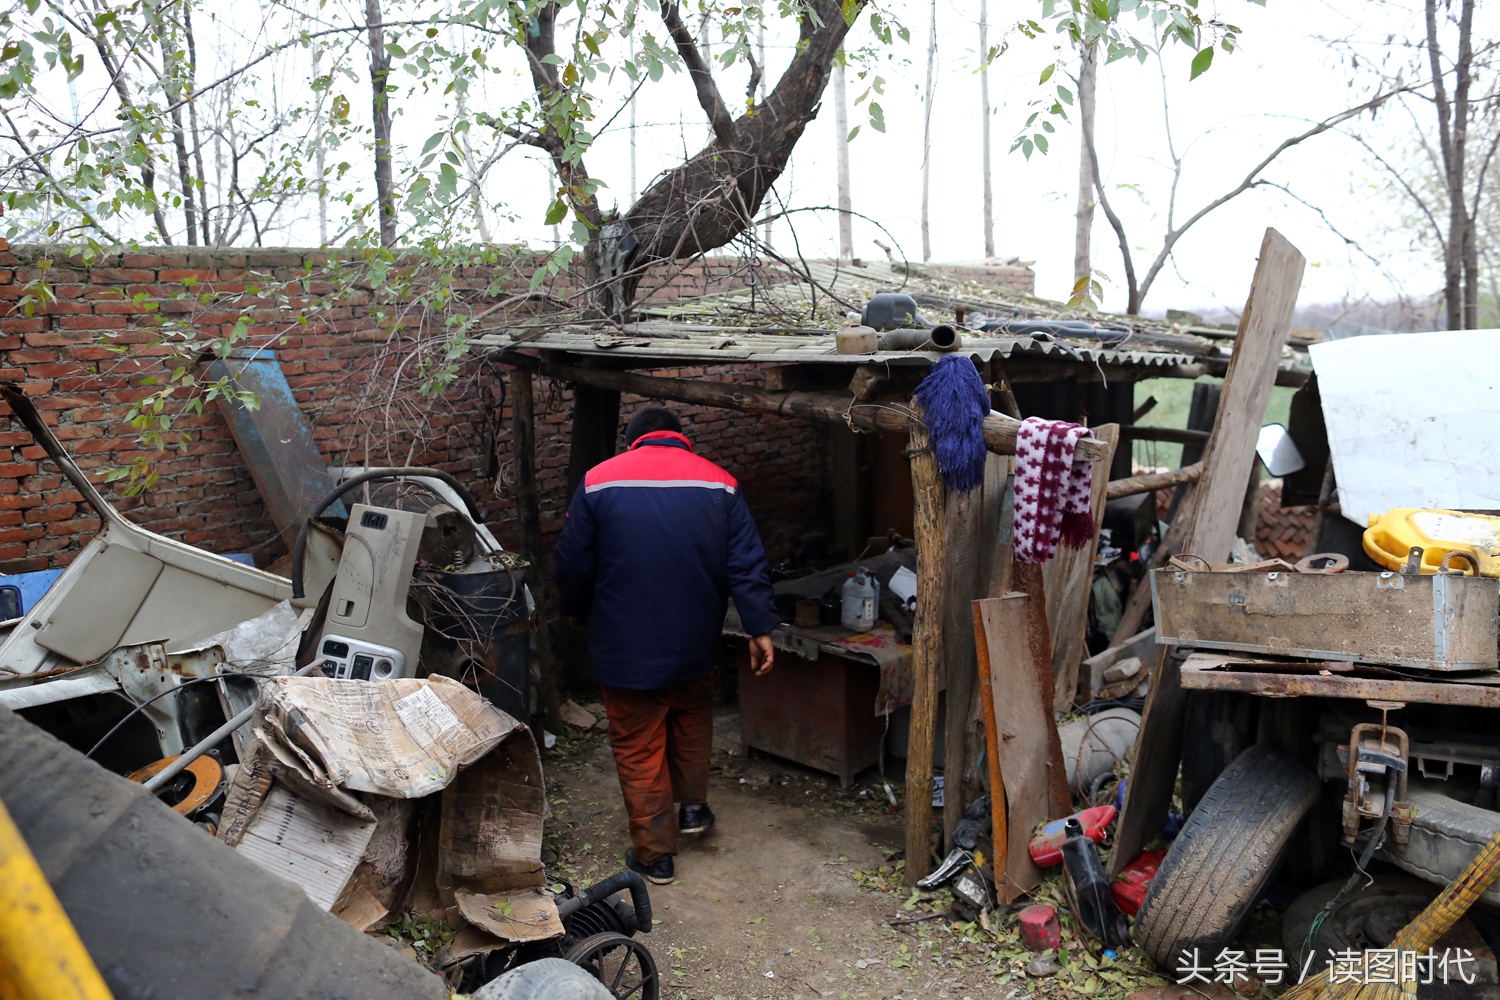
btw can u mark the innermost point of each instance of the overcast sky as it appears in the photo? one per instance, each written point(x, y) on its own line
point(1284, 77)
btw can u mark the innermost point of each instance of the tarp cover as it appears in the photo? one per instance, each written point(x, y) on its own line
point(1413, 420)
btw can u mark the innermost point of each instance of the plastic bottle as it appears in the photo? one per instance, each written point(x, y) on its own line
point(859, 602)
point(1088, 888)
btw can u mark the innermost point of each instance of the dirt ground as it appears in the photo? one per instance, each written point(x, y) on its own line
point(798, 892)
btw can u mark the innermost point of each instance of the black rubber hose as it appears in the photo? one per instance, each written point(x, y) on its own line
point(167, 911)
point(299, 548)
point(640, 898)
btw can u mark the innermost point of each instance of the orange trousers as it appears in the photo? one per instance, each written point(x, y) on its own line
point(663, 742)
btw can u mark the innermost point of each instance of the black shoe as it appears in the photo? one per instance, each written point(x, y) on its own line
point(695, 819)
point(661, 871)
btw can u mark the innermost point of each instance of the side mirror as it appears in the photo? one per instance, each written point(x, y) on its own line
point(1278, 451)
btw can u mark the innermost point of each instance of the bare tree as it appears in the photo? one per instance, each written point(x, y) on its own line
point(841, 140)
point(927, 93)
point(1137, 287)
point(380, 71)
point(1087, 74)
point(984, 127)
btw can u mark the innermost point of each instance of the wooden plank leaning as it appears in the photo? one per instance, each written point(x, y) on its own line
point(1028, 783)
point(1211, 516)
point(1070, 575)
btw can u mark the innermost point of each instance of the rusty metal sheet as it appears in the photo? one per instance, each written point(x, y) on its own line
point(275, 440)
point(1217, 672)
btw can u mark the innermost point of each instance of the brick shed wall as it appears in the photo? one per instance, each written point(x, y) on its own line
point(62, 357)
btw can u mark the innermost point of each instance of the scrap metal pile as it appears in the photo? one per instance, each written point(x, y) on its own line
point(356, 731)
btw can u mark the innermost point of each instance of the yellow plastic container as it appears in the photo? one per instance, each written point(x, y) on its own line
point(1391, 536)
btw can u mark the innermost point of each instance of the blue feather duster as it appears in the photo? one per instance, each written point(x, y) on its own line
point(954, 404)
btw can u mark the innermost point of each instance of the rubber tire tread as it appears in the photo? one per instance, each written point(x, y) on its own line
point(1224, 856)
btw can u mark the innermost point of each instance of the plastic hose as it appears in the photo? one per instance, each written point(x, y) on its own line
point(639, 898)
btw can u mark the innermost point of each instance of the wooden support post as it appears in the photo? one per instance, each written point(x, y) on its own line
point(928, 516)
point(1207, 527)
point(596, 426)
point(963, 560)
point(528, 502)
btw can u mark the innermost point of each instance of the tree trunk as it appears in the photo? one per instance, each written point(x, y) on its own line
point(1453, 126)
point(380, 69)
point(192, 86)
point(927, 130)
point(984, 128)
point(706, 202)
point(841, 139)
point(1082, 263)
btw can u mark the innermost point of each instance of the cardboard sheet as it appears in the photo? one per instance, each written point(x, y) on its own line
point(330, 756)
point(308, 843)
point(1413, 420)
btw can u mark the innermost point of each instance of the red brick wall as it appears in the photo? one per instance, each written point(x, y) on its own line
point(63, 356)
point(1281, 532)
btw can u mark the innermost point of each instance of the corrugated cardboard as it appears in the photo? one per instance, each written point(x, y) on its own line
point(304, 802)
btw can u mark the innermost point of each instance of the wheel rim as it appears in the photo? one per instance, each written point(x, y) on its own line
point(623, 965)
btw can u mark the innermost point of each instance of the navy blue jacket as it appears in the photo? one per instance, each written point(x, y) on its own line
point(655, 542)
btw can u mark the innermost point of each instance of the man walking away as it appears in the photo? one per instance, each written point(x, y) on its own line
point(655, 542)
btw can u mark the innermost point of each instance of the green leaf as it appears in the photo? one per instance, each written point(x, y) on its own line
point(432, 142)
point(852, 133)
point(1202, 61)
point(1047, 74)
point(877, 117)
point(556, 212)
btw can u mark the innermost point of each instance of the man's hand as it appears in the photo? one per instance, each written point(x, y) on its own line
point(762, 655)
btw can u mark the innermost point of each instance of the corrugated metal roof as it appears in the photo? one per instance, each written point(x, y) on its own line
point(726, 345)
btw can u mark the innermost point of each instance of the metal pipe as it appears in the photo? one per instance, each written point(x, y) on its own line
point(208, 742)
point(940, 338)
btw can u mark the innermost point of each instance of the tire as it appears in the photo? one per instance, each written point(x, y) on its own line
point(1225, 856)
point(545, 979)
point(1368, 917)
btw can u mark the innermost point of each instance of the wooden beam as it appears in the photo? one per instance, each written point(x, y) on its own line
point(528, 500)
point(1152, 481)
point(1175, 435)
point(596, 426)
point(926, 648)
point(999, 431)
point(1208, 526)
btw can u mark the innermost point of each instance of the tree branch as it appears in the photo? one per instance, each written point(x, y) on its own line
point(703, 81)
point(1251, 179)
point(1133, 306)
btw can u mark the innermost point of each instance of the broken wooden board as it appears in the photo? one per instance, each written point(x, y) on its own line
point(1069, 575)
point(1141, 645)
point(1026, 741)
point(1211, 514)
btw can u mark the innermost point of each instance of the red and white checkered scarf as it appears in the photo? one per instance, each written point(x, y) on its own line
point(1052, 491)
